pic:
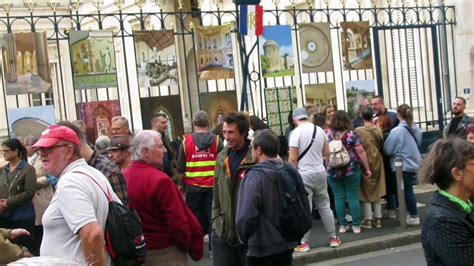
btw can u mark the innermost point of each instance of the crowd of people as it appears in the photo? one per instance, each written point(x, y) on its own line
point(52, 200)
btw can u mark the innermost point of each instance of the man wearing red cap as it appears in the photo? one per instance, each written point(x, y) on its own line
point(74, 221)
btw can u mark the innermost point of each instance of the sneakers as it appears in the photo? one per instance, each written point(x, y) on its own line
point(335, 242)
point(392, 214)
point(348, 218)
point(366, 224)
point(304, 247)
point(356, 229)
point(343, 229)
point(377, 223)
point(206, 238)
point(413, 220)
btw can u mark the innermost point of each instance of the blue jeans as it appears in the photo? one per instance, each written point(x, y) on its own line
point(410, 199)
point(347, 190)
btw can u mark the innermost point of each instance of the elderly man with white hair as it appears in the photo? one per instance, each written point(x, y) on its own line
point(170, 229)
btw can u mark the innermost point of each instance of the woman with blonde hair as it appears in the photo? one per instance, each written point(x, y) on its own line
point(403, 142)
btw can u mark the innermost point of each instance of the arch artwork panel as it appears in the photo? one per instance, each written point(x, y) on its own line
point(171, 106)
point(97, 116)
point(356, 45)
point(215, 45)
point(218, 105)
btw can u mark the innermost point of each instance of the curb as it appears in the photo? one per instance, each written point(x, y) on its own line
point(358, 247)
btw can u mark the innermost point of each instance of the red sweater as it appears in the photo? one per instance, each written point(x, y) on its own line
point(160, 206)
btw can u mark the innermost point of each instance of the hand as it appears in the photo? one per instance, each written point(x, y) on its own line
point(20, 232)
point(368, 174)
point(26, 254)
point(3, 205)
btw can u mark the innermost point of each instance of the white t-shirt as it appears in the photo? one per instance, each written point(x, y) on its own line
point(77, 202)
point(300, 138)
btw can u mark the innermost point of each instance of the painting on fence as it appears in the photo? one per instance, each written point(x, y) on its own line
point(155, 54)
point(93, 59)
point(358, 92)
point(315, 47)
point(171, 106)
point(356, 45)
point(214, 52)
point(97, 116)
point(276, 51)
point(25, 62)
point(30, 121)
point(218, 105)
point(280, 102)
point(321, 94)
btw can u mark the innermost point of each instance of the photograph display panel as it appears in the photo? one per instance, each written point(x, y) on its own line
point(321, 95)
point(30, 121)
point(276, 51)
point(214, 52)
point(25, 62)
point(358, 92)
point(93, 59)
point(356, 45)
point(155, 53)
point(97, 116)
point(171, 106)
point(218, 105)
point(280, 102)
point(315, 47)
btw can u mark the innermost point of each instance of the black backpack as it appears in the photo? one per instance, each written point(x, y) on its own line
point(295, 215)
point(124, 239)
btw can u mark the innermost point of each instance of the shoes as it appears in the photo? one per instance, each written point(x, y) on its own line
point(304, 247)
point(335, 242)
point(366, 223)
point(413, 220)
point(392, 214)
point(356, 229)
point(343, 229)
point(377, 223)
point(206, 238)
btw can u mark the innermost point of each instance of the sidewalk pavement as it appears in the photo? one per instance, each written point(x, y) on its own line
point(390, 235)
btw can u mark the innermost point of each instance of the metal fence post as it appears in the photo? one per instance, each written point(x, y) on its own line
point(401, 193)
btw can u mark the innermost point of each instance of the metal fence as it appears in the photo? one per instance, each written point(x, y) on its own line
point(413, 49)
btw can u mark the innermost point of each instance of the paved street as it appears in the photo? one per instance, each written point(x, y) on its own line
point(400, 256)
point(319, 240)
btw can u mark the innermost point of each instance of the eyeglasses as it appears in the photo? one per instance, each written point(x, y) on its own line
point(49, 150)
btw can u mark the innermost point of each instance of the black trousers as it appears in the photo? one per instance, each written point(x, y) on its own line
point(284, 258)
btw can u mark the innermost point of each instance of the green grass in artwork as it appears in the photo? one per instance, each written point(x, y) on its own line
point(287, 72)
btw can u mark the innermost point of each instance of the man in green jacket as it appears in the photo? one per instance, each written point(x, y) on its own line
point(230, 169)
point(9, 251)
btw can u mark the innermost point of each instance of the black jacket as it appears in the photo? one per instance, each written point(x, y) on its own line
point(448, 233)
point(258, 210)
point(461, 129)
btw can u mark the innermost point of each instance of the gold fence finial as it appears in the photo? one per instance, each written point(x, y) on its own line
point(180, 4)
point(98, 4)
point(75, 4)
point(119, 3)
point(53, 4)
point(30, 5)
point(140, 3)
point(7, 6)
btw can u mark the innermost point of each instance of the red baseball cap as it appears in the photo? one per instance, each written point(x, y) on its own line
point(53, 134)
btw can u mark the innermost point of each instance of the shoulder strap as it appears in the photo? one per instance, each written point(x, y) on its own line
point(310, 144)
point(107, 194)
point(411, 133)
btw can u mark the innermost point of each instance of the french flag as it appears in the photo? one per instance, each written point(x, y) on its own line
point(251, 20)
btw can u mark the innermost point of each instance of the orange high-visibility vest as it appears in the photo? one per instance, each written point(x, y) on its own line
point(200, 165)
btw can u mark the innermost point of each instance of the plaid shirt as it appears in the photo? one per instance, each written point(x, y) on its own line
point(113, 174)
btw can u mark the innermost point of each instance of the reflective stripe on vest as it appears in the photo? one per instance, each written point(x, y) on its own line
point(200, 165)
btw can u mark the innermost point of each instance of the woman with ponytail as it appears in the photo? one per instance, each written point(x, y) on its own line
point(17, 188)
point(404, 141)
